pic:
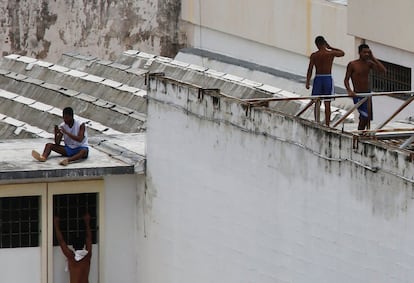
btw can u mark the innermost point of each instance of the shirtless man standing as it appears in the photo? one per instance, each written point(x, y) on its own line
point(79, 261)
point(323, 82)
point(358, 71)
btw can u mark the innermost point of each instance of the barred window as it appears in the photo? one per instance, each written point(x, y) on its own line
point(71, 208)
point(397, 78)
point(19, 222)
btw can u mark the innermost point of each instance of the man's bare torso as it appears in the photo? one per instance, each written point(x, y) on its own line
point(360, 75)
point(323, 60)
point(79, 270)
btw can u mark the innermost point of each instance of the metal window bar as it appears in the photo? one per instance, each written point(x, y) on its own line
point(19, 222)
point(397, 78)
point(70, 208)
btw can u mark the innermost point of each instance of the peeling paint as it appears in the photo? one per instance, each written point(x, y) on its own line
point(105, 28)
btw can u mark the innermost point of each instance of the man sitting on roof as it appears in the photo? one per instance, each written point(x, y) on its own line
point(75, 138)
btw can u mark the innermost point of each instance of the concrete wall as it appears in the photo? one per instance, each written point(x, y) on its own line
point(269, 198)
point(46, 29)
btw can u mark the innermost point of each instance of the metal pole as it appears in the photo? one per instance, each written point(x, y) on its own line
point(407, 142)
point(257, 100)
point(359, 103)
point(405, 104)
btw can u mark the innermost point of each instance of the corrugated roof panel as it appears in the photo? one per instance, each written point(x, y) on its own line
point(131, 52)
point(128, 88)
point(179, 63)
point(233, 78)
point(214, 73)
point(44, 64)
point(12, 56)
point(14, 122)
point(120, 66)
point(26, 59)
point(93, 78)
point(288, 93)
point(269, 88)
point(59, 68)
point(251, 83)
point(145, 55)
point(41, 106)
point(141, 93)
point(76, 73)
point(24, 100)
point(111, 83)
point(55, 111)
point(197, 68)
point(7, 94)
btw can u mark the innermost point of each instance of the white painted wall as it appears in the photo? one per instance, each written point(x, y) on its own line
point(121, 235)
point(387, 22)
point(279, 34)
point(228, 204)
point(20, 265)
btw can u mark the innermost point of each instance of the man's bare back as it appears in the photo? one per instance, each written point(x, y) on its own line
point(322, 60)
point(79, 270)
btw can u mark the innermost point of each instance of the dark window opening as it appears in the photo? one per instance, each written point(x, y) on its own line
point(71, 208)
point(397, 78)
point(19, 222)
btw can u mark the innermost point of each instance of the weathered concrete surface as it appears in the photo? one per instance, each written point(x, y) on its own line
point(108, 156)
point(264, 197)
point(45, 29)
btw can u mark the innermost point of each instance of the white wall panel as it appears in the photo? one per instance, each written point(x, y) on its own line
point(229, 204)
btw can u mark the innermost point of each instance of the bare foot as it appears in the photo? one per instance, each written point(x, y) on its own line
point(64, 162)
point(37, 156)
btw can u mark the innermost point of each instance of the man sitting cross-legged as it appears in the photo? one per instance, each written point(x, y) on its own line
point(74, 136)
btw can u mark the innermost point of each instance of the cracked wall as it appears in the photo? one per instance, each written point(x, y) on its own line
point(104, 28)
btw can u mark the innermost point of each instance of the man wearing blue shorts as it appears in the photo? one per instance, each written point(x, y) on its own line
point(75, 139)
point(323, 84)
point(358, 71)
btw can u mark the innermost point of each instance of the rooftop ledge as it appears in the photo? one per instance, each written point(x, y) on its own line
point(331, 144)
point(107, 156)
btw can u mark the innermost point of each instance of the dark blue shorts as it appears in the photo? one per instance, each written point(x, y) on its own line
point(364, 111)
point(72, 151)
point(323, 85)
